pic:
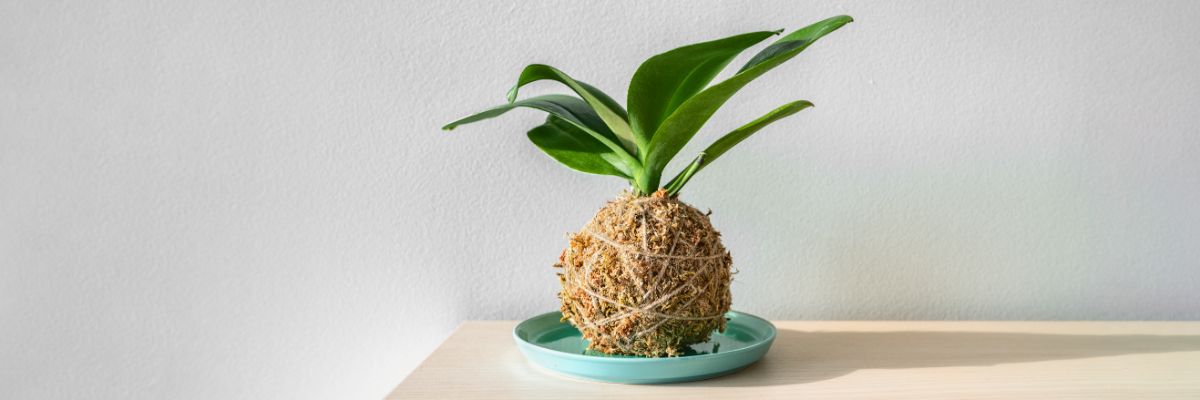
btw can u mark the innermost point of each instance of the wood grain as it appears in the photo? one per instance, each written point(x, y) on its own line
point(861, 359)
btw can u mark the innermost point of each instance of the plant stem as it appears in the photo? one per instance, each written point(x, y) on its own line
point(647, 182)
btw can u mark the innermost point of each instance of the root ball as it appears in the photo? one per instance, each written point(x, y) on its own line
point(646, 276)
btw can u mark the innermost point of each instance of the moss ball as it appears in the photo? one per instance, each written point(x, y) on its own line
point(646, 276)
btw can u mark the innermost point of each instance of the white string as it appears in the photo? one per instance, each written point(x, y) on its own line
point(624, 248)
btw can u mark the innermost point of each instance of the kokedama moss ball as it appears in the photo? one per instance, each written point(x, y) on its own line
point(647, 276)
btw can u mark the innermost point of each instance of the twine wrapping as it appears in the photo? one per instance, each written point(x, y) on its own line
point(647, 276)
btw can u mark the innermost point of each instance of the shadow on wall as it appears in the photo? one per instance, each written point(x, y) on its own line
point(801, 357)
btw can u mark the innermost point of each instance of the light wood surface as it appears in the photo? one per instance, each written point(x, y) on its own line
point(865, 360)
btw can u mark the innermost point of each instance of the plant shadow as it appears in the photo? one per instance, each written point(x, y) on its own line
point(809, 356)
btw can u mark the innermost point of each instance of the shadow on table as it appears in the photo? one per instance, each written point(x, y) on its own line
point(800, 356)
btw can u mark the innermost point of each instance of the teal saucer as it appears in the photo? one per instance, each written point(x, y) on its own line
point(558, 347)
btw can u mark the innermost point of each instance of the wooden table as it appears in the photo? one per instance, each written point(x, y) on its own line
point(860, 360)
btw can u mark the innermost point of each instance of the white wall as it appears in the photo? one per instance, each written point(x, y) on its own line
point(226, 199)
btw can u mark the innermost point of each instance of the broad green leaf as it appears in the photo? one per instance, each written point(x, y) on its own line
point(665, 81)
point(731, 139)
point(682, 124)
point(685, 176)
point(578, 150)
point(609, 111)
point(571, 109)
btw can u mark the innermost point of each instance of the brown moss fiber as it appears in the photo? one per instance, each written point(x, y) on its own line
point(646, 276)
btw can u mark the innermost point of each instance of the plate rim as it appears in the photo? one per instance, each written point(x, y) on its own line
point(771, 333)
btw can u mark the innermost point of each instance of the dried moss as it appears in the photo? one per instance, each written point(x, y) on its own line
point(647, 276)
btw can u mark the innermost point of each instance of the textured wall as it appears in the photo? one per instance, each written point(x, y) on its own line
point(222, 199)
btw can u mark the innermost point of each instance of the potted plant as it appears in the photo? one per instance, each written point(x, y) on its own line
point(648, 275)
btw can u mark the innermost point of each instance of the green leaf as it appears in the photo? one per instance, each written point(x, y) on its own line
point(665, 81)
point(682, 124)
point(731, 139)
point(578, 150)
point(613, 115)
point(571, 109)
point(797, 39)
point(683, 177)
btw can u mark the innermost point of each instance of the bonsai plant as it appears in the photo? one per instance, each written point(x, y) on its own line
point(648, 275)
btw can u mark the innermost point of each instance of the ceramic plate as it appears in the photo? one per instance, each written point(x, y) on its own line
point(558, 347)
